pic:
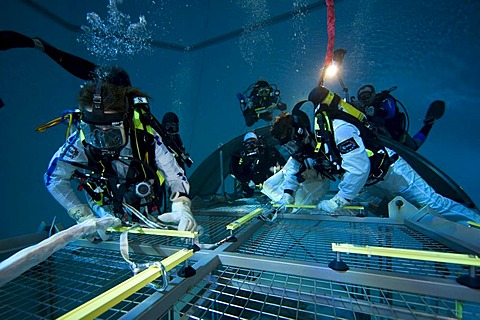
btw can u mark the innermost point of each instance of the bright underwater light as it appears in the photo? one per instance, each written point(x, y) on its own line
point(332, 70)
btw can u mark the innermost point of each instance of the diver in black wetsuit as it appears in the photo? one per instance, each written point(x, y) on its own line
point(385, 116)
point(255, 163)
point(75, 65)
point(259, 102)
point(171, 127)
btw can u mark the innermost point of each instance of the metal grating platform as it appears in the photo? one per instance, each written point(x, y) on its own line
point(69, 278)
point(237, 293)
point(308, 240)
point(276, 270)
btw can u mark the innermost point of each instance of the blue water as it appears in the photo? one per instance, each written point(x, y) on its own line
point(427, 48)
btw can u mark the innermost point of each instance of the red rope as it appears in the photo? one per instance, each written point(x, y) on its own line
point(330, 30)
point(331, 36)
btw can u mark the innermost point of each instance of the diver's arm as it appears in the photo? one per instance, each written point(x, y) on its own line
point(59, 173)
point(166, 162)
point(75, 65)
point(290, 171)
point(355, 160)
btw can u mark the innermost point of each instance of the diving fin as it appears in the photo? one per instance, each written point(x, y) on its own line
point(435, 111)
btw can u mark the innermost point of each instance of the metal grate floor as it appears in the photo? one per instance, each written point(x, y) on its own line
point(69, 278)
point(238, 293)
point(308, 240)
point(240, 280)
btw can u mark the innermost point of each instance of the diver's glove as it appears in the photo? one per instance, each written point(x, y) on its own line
point(287, 198)
point(181, 213)
point(82, 213)
point(329, 206)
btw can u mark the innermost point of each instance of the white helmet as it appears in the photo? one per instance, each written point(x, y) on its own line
point(250, 135)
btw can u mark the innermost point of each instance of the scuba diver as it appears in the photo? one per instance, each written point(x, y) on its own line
point(57, 176)
point(340, 146)
point(255, 163)
point(384, 116)
point(88, 71)
point(119, 158)
point(259, 101)
point(171, 127)
point(171, 137)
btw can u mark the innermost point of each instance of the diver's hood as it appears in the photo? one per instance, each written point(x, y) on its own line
point(101, 117)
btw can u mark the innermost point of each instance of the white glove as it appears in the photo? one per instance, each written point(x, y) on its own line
point(181, 214)
point(287, 198)
point(251, 184)
point(81, 213)
point(329, 206)
point(275, 169)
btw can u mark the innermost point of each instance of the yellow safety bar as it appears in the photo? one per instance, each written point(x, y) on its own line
point(456, 258)
point(474, 224)
point(312, 206)
point(237, 223)
point(104, 302)
point(157, 232)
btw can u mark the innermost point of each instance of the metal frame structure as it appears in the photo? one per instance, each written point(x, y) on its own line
point(274, 270)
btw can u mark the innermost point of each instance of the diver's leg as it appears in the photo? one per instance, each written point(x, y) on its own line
point(402, 179)
point(77, 66)
point(11, 39)
point(434, 112)
point(410, 142)
point(420, 137)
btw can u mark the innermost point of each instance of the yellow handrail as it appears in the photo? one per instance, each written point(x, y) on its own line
point(312, 206)
point(237, 223)
point(105, 301)
point(474, 224)
point(157, 232)
point(455, 258)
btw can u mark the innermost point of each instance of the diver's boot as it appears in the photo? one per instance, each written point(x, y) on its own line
point(435, 111)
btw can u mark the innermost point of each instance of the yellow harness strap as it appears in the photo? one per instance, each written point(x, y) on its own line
point(137, 123)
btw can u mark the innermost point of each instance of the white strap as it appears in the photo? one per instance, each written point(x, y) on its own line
point(136, 268)
point(130, 209)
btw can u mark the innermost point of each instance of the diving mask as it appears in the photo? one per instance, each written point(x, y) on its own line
point(251, 146)
point(105, 137)
point(171, 127)
point(294, 140)
point(366, 94)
